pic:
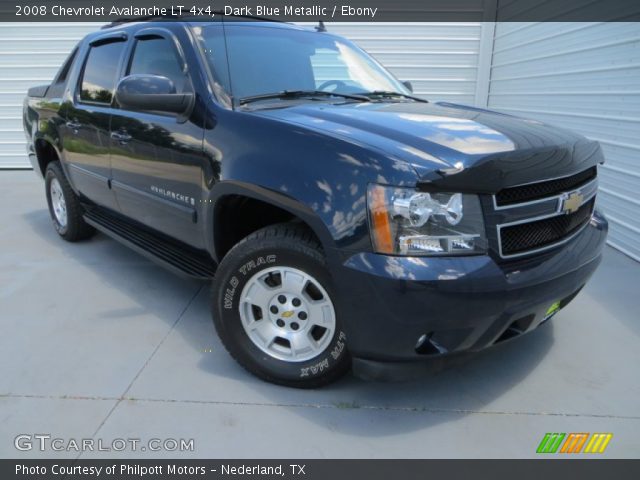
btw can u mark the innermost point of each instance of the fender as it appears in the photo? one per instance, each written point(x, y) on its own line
point(50, 135)
point(54, 141)
point(326, 188)
point(277, 199)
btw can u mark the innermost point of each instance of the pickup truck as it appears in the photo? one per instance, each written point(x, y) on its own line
point(345, 223)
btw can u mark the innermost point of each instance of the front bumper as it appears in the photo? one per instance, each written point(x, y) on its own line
point(404, 309)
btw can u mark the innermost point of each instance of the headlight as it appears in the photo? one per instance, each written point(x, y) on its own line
point(404, 221)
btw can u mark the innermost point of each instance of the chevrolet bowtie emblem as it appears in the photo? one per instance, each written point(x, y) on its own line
point(572, 203)
point(287, 314)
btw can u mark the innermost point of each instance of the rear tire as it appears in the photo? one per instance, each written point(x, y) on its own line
point(64, 205)
point(273, 308)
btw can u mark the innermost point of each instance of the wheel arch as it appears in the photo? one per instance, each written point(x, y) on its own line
point(45, 152)
point(280, 207)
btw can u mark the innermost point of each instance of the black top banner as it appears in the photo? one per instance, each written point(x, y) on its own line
point(325, 10)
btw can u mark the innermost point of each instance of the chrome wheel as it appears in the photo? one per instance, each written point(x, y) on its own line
point(58, 203)
point(287, 314)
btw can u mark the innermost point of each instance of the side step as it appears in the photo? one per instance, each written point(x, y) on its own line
point(167, 253)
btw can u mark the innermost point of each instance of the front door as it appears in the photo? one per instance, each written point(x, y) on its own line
point(156, 157)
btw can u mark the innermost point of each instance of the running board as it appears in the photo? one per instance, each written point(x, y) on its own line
point(169, 254)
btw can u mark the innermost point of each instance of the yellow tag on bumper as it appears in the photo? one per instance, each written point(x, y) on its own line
point(552, 309)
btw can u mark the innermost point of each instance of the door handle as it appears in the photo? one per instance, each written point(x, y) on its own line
point(74, 125)
point(122, 137)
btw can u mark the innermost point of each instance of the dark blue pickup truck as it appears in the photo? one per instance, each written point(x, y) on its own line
point(344, 221)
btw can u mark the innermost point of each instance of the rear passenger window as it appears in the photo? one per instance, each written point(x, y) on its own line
point(158, 56)
point(100, 71)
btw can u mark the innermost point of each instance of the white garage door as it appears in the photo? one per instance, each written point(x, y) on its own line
point(30, 54)
point(439, 59)
point(585, 77)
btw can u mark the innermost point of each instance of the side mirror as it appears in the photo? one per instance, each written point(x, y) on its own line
point(152, 93)
point(407, 84)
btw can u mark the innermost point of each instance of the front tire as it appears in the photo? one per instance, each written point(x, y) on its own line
point(64, 205)
point(274, 310)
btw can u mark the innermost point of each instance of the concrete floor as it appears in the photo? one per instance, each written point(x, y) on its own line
point(97, 342)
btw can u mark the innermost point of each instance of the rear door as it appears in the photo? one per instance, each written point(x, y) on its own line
point(85, 132)
point(157, 157)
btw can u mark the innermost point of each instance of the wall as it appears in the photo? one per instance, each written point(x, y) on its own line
point(29, 55)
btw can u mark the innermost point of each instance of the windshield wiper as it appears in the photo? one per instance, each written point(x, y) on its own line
point(292, 94)
point(389, 94)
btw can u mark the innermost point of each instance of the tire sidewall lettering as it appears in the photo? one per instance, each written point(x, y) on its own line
point(244, 270)
point(229, 298)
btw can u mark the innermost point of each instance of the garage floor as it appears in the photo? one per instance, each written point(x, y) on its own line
point(97, 342)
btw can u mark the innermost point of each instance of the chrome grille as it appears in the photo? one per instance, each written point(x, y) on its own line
point(537, 224)
point(525, 236)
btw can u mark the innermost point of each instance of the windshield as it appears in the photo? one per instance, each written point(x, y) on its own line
point(264, 60)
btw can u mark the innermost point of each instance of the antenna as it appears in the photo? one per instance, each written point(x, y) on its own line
point(320, 27)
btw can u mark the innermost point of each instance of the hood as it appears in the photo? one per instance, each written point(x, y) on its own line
point(452, 146)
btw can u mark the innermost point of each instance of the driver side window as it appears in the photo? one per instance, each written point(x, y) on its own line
point(158, 56)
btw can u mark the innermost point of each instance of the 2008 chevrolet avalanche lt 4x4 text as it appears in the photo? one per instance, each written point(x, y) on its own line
point(344, 221)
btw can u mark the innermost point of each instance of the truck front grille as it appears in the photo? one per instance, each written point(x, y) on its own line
point(541, 233)
point(535, 191)
point(535, 217)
